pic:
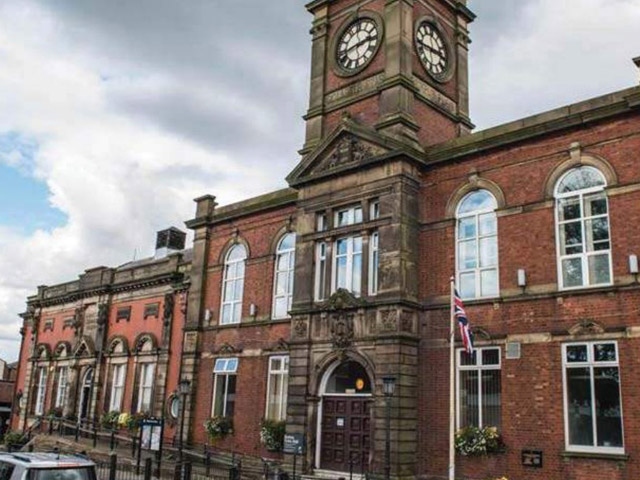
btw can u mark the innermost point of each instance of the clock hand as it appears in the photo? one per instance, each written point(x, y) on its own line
point(361, 42)
point(432, 50)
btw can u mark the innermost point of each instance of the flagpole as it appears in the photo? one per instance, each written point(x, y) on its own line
point(452, 409)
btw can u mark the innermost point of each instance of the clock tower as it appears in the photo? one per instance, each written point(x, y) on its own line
point(397, 66)
point(388, 80)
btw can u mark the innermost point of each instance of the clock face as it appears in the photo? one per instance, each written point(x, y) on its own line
point(357, 45)
point(432, 50)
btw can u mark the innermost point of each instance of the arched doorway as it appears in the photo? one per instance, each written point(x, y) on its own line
point(345, 418)
point(85, 393)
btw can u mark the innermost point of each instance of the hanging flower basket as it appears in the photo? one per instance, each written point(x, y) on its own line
point(473, 441)
point(110, 419)
point(218, 427)
point(272, 434)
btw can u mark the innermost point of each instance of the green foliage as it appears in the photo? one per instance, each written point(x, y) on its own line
point(12, 438)
point(218, 427)
point(55, 412)
point(272, 434)
point(131, 421)
point(472, 440)
point(110, 419)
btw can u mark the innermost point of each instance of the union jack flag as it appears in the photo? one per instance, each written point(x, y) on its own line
point(463, 323)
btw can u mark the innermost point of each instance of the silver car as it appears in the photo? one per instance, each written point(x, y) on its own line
point(45, 466)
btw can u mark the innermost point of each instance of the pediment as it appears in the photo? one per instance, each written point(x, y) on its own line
point(350, 146)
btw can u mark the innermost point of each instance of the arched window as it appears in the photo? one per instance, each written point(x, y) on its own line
point(233, 285)
point(582, 219)
point(477, 245)
point(283, 276)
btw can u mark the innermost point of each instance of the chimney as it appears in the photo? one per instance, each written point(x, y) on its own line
point(168, 241)
point(636, 61)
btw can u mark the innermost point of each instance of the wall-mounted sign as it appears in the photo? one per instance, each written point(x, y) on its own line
point(532, 458)
point(293, 443)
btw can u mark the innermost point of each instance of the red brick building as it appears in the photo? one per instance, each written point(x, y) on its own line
point(302, 301)
point(109, 341)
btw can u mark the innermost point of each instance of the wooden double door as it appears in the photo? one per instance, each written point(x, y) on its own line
point(346, 433)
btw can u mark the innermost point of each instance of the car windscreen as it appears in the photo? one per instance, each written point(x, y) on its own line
point(62, 473)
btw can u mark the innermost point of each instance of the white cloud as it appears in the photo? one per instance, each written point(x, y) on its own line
point(552, 53)
point(138, 108)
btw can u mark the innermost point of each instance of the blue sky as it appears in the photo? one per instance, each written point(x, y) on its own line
point(24, 200)
point(114, 116)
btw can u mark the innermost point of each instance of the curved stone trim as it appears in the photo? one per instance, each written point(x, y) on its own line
point(475, 182)
point(578, 158)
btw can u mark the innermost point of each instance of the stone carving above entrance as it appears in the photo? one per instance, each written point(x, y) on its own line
point(342, 299)
point(341, 327)
point(347, 150)
point(300, 329)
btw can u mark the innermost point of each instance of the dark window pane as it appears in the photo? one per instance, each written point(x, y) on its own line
point(491, 400)
point(577, 353)
point(580, 410)
point(491, 356)
point(604, 352)
point(468, 359)
point(469, 404)
point(608, 414)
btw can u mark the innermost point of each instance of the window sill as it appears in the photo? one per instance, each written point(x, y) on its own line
point(617, 457)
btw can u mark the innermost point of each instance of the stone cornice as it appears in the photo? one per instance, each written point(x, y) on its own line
point(571, 116)
point(70, 297)
point(261, 203)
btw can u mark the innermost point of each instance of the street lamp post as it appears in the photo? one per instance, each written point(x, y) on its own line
point(388, 386)
point(183, 390)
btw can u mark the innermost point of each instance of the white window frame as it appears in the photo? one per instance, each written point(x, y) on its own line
point(117, 386)
point(591, 363)
point(223, 367)
point(479, 368)
point(321, 222)
point(145, 388)
point(585, 254)
point(477, 270)
point(374, 209)
point(349, 216)
point(289, 254)
point(321, 271)
point(350, 255)
point(374, 262)
point(231, 276)
point(283, 372)
point(63, 385)
point(41, 391)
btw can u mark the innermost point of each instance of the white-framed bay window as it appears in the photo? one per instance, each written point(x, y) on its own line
point(224, 387)
point(277, 386)
point(347, 216)
point(145, 387)
point(321, 271)
point(477, 245)
point(582, 229)
point(233, 285)
point(41, 390)
point(283, 276)
point(63, 386)
point(117, 386)
point(479, 388)
point(339, 258)
point(592, 398)
point(374, 263)
point(347, 265)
